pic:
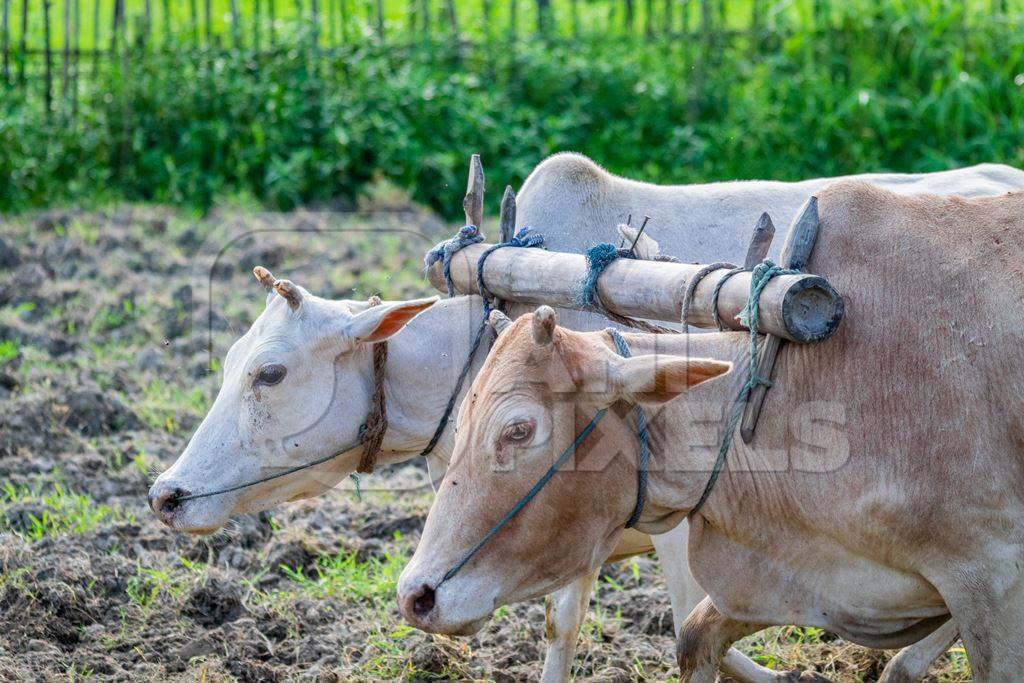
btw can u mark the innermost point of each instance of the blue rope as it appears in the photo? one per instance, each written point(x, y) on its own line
point(525, 239)
point(446, 415)
point(641, 437)
point(642, 467)
point(517, 508)
point(599, 257)
point(466, 236)
point(443, 251)
point(750, 316)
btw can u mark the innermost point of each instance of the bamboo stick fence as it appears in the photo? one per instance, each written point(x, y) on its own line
point(46, 41)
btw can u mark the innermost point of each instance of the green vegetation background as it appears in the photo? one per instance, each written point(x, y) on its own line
point(916, 85)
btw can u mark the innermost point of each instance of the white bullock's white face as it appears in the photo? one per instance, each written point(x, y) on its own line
point(296, 388)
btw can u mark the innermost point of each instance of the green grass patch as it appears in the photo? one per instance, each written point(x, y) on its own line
point(162, 405)
point(8, 351)
point(58, 511)
point(347, 577)
point(149, 585)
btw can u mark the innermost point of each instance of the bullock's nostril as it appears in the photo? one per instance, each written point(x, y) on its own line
point(423, 602)
point(165, 502)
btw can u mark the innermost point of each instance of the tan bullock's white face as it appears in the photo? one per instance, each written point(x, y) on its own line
point(539, 387)
point(303, 361)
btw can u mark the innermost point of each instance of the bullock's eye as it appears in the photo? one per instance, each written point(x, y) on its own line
point(270, 375)
point(517, 432)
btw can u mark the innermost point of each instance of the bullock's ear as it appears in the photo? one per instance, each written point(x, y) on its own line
point(655, 379)
point(377, 323)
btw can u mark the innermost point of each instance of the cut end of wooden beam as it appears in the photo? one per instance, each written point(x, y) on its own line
point(473, 202)
point(812, 310)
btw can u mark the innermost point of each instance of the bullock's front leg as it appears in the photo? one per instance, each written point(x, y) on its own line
point(988, 604)
point(704, 638)
point(913, 661)
point(565, 610)
point(683, 590)
point(685, 593)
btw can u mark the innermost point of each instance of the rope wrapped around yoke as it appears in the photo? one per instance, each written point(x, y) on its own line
point(697, 278)
point(444, 251)
point(524, 239)
point(750, 316)
point(599, 257)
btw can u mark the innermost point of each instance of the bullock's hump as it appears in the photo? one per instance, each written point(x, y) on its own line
point(566, 167)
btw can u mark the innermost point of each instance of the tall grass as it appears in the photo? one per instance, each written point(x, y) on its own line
point(903, 87)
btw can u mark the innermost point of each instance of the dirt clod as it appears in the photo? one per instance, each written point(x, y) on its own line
point(91, 412)
point(215, 602)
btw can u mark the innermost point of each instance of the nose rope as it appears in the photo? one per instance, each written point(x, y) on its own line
point(642, 438)
point(278, 475)
point(641, 495)
point(517, 508)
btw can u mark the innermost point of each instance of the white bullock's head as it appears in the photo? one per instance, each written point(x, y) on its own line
point(304, 360)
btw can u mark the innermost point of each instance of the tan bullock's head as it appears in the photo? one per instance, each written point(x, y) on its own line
point(303, 359)
point(539, 387)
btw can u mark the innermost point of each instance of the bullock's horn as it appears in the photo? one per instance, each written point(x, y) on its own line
point(498, 321)
point(291, 293)
point(645, 247)
point(543, 325)
point(265, 277)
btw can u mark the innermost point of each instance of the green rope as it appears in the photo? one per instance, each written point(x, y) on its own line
point(359, 491)
point(750, 316)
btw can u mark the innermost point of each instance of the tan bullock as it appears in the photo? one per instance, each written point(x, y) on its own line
point(883, 493)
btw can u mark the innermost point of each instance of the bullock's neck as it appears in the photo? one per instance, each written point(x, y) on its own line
point(424, 361)
point(686, 433)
